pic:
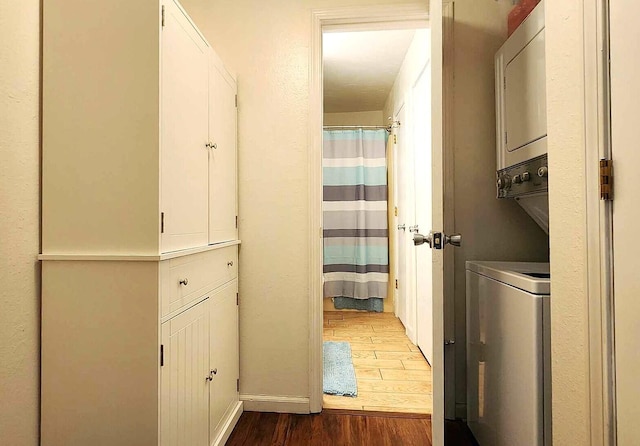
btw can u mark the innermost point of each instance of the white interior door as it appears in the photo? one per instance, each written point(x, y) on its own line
point(421, 95)
point(625, 91)
point(441, 14)
point(184, 127)
point(406, 305)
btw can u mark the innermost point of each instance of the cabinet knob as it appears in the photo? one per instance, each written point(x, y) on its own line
point(215, 371)
point(184, 282)
point(230, 263)
point(211, 145)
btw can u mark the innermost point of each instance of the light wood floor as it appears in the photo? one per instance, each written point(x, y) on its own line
point(392, 374)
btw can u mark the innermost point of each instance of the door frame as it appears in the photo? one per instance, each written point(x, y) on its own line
point(599, 225)
point(335, 19)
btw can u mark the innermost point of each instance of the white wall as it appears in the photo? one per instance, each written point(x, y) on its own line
point(491, 229)
point(355, 118)
point(268, 46)
point(19, 222)
point(415, 60)
point(567, 221)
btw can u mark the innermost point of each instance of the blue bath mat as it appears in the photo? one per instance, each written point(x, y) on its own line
point(339, 376)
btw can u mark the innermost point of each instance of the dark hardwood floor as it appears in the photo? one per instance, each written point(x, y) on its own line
point(343, 428)
point(331, 428)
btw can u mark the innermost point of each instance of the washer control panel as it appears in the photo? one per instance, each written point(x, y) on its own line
point(526, 178)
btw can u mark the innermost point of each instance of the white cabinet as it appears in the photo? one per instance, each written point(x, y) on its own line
point(185, 378)
point(140, 243)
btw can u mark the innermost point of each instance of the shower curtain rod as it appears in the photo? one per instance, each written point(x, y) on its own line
point(338, 127)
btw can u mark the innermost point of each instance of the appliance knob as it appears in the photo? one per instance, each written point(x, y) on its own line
point(504, 182)
point(543, 172)
point(526, 176)
point(516, 179)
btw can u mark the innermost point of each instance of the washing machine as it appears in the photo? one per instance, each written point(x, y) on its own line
point(508, 353)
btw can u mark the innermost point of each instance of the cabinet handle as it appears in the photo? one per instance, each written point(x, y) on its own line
point(184, 282)
point(230, 263)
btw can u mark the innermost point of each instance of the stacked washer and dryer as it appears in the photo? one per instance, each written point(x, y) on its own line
point(508, 324)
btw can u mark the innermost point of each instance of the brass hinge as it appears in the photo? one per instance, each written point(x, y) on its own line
point(238, 385)
point(606, 179)
point(396, 284)
point(161, 222)
point(395, 139)
point(505, 82)
point(161, 355)
point(396, 211)
point(162, 20)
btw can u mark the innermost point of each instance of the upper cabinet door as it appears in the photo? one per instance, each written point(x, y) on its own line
point(184, 132)
point(222, 154)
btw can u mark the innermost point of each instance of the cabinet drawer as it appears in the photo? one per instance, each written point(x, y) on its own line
point(185, 279)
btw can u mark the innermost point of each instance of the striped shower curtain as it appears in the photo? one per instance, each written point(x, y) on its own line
point(356, 245)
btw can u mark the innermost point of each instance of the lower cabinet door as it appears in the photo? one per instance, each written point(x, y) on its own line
point(185, 378)
point(224, 356)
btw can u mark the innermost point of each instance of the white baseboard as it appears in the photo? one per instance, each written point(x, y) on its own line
point(230, 423)
point(279, 404)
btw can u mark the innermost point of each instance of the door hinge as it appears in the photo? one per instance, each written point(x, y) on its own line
point(161, 222)
point(396, 284)
point(606, 179)
point(395, 139)
point(237, 298)
point(505, 138)
point(395, 211)
point(162, 15)
point(236, 101)
point(505, 82)
point(236, 222)
point(238, 385)
point(161, 355)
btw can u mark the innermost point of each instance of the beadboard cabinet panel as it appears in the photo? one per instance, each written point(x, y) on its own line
point(224, 356)
point(185, 378)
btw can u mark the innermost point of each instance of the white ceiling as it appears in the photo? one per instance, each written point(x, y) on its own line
point(360, 68)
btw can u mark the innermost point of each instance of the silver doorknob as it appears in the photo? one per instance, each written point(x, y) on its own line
point(403, 227)
point(419, 239)
point(454, 240)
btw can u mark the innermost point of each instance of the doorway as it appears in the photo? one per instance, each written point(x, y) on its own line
point(376, 186)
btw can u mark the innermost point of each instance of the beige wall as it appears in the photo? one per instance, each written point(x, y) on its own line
point(355, 118)
point(491, 229)
point(19, 222)
point(567, 221)
point(268, 46)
